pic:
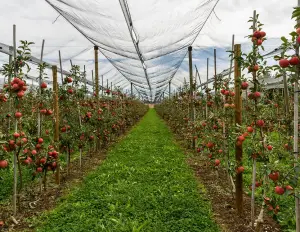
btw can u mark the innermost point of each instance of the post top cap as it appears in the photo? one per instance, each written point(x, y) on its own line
point(190, 48)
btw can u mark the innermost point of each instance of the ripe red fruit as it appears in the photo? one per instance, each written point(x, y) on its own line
point(64, 129)
point(284, 63)
point(33, 152)
point(222, 91)
point(294, 60)
point(39, 169)
point(250, 129)
point(40, 140)
point(288, 187)
point(49, 112)
point(18, 114)
point(69, 80)
point(260, 123)
point(279, 190)
point(244, 85)
point(54, 165)
point(298, 31)
point(43, 111)
point(256, 94)
point(3, 163)
point(16, 135)
point(15, 87)
point(262, 33)
point(241, 138)
point(274, 176)
point(198, 150)
point(43, 160)
point(44, 85)
point(209, 145)
point(298, 39)
point(70, 91)
point(257, 184)
point(217, 162)
point(220, 151)
point(240, 169)
point(257, 34)
point(269, 147)
point(259, 42)
point(20, 94)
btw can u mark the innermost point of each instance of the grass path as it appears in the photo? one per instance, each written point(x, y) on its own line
point(143, 185)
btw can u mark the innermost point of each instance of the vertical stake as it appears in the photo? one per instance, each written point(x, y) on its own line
point(238, 120)
point(56, 118)
point(96, 72)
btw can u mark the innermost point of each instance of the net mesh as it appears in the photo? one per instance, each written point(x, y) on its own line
point(145, 49)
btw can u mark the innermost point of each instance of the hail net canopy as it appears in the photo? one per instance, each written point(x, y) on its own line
point(146, 41)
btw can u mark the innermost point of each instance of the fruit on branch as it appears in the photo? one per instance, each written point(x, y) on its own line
point(256, 95)
point(39, 169)
point(16, 135)
point(279, 190)
point(210, 145)
point(257, 34)
point(240, 169)
point(70, 91)
point(294, 60)
point(33, 152)
point(260, 123)
point(3, 164)
point(20, 94)
point(262, 34)
point(269, 147)
point(259, 42)
point(284, 63)
point(44, 85)
point(250, 129)
point(274, 176)
point(18, 114)
point(244, 85)
point(288, 187)
point(69, 79)
point(40, 140)
point(217, 162)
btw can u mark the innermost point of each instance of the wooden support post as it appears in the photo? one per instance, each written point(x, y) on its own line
point(192, 115)
point(84, 76)
point(56, 119)
point(169, 89)
point(215, 67)
point(93, 82)
point(16, 129)
point(40, 90)
point(206, 107)
point(238, 120)
point(102, 86)
point(296, 132)
point(131, 88)
point(60, 65)
point(96, 72)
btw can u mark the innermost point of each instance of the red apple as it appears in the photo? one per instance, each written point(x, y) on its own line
point(294, 60)
point(18, 114)
point(284, 63)
point(260, 123)
point(3, 164)
point(279, 190)
point(217, 162)
point(44, 85)
point(240, 169)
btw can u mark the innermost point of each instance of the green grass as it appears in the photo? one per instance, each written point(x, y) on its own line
point(143, 185)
